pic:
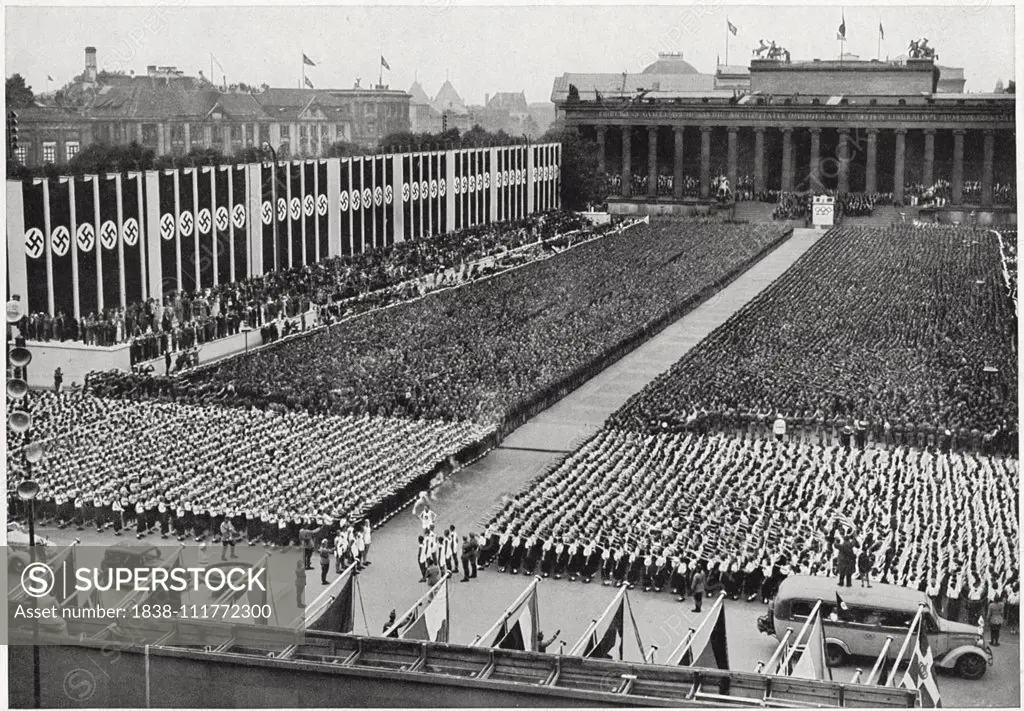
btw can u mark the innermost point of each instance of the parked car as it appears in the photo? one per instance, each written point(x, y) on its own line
point(871, 615)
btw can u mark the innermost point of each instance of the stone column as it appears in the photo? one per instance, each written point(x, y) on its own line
point(987, 166)
point(814, 165)
point(652, 161)
point(871, 168)
point(843, 155)
point(225, 139)
point(627, 168)
point(957, 183)
point(897, 168)
point(207, 136)
point(929, 158)
point(677, 167)
point(161, 138)
point(188, 137)
point(787, 160)
point(601, 131)
point(275, 136)
point(705, 161)
point(758, 159)
point(138, 133)
point(733, 134)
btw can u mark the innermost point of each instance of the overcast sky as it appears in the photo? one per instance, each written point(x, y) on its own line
point(483, 49)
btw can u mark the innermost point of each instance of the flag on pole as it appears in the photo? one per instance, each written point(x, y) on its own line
point(519, 631)
point(881, 30)
point(732, 27)
point(428, 620)
point(606, 633)
point(841, 34)
point(707, 646)
point(49, 78)
point(920, 674)
point(518, 627)
point(384, 63)
point(308, 82)
point(811, 664)
point(307, 61)
point(842, 609)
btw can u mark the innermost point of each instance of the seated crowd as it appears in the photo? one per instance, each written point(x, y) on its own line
point(909, 330)
point(647, 510)
point(487, 350)
point(184, 320)
point(797, 206)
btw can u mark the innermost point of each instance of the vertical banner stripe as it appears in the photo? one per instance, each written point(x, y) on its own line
point(38, 283)
point(108, 241)
point(133, 242)
point(345, 206)
point(85, 243)
point(242, 211)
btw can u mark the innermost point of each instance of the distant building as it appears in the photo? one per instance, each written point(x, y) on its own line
point(172, 113)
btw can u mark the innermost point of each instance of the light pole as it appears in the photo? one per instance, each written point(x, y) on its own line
point(20, 420)
point(266, 147)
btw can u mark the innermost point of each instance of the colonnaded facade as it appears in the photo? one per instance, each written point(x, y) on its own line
point(846, 126)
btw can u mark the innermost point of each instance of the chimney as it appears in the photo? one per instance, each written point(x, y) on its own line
point(90, 64)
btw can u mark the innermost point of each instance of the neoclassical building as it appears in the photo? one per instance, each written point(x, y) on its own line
point(850, 126)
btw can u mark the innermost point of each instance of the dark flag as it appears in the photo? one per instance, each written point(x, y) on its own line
point(708, 647)
point(601, 644)
point(842, 609)
point(519, 629)
point(841, 34)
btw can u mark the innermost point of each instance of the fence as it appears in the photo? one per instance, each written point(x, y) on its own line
point(79, 245)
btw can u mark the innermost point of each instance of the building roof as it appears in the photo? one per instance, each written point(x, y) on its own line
point(613, 83)
point(448, 99)
point(418, 95)
point(512, 101)
point(732, 70)
point(670, 63)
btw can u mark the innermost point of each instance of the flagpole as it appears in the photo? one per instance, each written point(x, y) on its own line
point(427, 597)
point(727, 41)
point(816, 612)
point(508, 612)
point(906, 643)
point(678, 652)
point(578, 647)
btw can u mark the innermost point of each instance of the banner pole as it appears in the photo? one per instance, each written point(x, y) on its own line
point(677, 653)
point(508, 612)
point(425, 599)
point(906, 643)
point(815, 612)
point(576, 648)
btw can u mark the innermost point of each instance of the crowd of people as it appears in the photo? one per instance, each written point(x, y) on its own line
point(909, 330)
point(183, 320)
point(742, 190)
point(184, 469)
point(649, 510)
point(797, 206)
point(481, 352)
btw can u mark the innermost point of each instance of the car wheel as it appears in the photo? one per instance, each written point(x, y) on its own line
point(835, 656)
point(971, 666)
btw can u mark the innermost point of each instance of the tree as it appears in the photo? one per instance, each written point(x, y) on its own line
point(580, 180)
point(18, 95)
point(343, 149)
point(107, 158)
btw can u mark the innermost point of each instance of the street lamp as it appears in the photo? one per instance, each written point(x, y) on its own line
point(20, 420)
point(27, 491)
point(267, 148)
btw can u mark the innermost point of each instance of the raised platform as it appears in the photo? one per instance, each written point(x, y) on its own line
point(969, 214)
point(666, 206)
